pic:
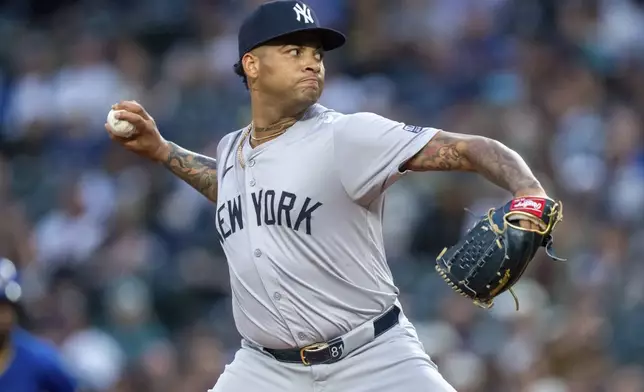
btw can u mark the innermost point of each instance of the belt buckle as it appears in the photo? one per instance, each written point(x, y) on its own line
point(316, 347)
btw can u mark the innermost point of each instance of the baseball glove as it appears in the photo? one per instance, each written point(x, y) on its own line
point(495, 252)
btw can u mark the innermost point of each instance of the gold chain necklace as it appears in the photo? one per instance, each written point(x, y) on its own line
point(240, 156)
point(248, 131)
point(259, 139)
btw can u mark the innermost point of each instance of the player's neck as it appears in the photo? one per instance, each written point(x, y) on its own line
point(269, 118)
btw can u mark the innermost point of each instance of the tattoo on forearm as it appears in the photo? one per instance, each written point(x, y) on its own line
point(490, 158)
point(501, 165)
point(197, 170)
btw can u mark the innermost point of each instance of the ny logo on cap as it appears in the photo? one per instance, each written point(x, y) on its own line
point(301, 10)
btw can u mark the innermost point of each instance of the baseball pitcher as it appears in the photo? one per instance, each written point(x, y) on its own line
point(299, 197)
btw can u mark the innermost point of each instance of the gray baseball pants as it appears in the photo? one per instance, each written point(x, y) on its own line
point(394, 361)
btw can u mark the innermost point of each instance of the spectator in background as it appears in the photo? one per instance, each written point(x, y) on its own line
point(68, 234)
point(28, 364)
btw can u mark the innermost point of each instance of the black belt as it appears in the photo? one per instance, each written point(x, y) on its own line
point(335, 349)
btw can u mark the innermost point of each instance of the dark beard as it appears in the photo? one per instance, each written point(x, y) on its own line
point(4, 340)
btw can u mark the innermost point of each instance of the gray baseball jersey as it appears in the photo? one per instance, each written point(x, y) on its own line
point(301, 224)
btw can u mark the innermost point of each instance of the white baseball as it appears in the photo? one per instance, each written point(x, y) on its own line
point(119, 127)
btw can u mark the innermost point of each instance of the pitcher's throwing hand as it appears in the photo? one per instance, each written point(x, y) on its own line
point(146, 140)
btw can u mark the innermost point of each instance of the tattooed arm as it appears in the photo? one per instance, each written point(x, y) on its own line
point(197, 170)
point(490, 158)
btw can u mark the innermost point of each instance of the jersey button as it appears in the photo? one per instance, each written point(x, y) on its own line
point(253, 182)
point(301, 336)
point(251, 163)
point(257, 252)
point(277, 296)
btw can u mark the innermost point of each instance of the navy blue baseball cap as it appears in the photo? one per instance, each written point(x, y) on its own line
point(276, 19)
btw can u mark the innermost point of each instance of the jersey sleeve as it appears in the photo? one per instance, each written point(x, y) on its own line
point(54, 375)
point(369, 150)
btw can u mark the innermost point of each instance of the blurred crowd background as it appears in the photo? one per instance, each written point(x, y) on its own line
point(119, 260)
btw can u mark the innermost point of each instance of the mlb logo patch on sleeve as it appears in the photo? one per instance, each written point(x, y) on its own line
point(413, 128)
